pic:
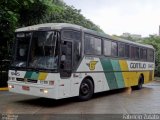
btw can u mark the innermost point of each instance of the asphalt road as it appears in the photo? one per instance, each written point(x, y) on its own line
point(123, 101)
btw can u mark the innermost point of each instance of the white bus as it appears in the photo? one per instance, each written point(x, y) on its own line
point(60, 60)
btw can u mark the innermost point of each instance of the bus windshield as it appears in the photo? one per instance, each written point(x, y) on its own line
point(43, 51)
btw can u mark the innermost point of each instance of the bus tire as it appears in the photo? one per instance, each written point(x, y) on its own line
point(86, 90)
point(140, 83)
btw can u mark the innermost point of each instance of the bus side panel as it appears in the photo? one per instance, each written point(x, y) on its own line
point(131, 77)
point(92, 67)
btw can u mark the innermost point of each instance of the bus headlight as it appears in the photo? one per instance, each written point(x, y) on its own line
point(11, 86)
point(44, 91)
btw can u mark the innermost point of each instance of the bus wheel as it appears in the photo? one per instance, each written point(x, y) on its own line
point(86, 90)
point(140, 83)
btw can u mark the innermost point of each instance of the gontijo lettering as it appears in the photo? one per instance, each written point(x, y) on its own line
point(138, 65)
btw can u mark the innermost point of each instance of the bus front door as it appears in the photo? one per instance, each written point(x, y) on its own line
point(65, 68)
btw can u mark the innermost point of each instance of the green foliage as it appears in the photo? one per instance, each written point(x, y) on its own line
point(63, 13)
point(155, 42)
point(16, 13)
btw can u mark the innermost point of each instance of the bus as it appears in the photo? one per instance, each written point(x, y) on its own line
point(61, 60)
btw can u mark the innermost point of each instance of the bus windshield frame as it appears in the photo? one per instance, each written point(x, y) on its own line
point(40, 50)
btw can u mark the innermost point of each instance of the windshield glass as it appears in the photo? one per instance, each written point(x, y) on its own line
point(22, 48)
point(43, 54)
point(36, 50)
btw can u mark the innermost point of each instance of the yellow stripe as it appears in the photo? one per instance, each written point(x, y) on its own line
point(42, 76)
point(4, 89)
point(124, 67)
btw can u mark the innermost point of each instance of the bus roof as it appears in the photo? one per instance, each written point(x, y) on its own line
point(48, 26)
point(59, 26)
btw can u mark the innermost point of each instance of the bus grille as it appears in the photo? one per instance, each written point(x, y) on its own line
point(26, 80)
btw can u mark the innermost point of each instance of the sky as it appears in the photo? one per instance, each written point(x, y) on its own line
point(121, 16)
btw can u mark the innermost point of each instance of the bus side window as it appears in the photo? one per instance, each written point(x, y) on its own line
point(127, 50)
point(107, 47)
point(121, 49)
point(143, 54)
point(132, 55)
point(92, 45)
point(114, 49)
point(136, 52)
point(150, 55)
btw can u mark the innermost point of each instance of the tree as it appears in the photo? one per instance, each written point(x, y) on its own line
point(16, 13)
point(61, 12)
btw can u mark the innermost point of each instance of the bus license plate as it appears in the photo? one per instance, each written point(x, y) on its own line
point(25, 88)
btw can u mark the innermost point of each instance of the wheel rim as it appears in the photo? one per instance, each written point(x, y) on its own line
point(85, 88)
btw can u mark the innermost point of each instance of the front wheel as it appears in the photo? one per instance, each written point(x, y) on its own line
point(86, 90)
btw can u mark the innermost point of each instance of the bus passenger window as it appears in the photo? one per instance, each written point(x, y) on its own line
point(132, 52)
point(107, 48)
point(143, 54)
point(127, 50)
point(114, 49)
point(150, 55)
point(92, 45)
point(136, 52)
point(121, 49)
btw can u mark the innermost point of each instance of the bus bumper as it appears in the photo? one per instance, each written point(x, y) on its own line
point(34, 90)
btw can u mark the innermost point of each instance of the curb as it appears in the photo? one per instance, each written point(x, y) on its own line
point(4, 89)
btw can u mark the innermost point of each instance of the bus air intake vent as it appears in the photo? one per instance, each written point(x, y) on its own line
point(26, 80)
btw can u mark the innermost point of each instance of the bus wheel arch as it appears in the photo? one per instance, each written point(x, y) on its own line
point(140, 82)
point(142, 78)
point(90, 78)
point(86, 89)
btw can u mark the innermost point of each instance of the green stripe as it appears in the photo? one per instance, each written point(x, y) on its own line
point(110, 76)
point(28, 75)
point(34, 76)
point(118, 75)
point(31, 75)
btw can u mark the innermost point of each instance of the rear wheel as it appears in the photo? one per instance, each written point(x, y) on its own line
point(140, 83)
point(86, 90)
